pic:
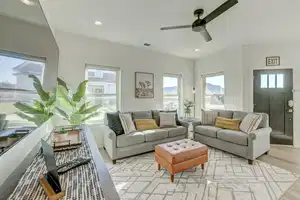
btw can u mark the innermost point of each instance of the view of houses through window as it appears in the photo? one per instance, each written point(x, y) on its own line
point(102, 89)
point(171, 90)
point(214, 91)
point(15, 85)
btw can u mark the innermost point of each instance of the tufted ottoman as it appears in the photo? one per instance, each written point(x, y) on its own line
point(180, 155)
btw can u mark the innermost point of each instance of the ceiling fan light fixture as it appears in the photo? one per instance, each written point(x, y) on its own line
point(28, 2)
point(98, 23)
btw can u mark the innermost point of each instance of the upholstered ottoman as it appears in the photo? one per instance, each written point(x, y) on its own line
point(180, 155)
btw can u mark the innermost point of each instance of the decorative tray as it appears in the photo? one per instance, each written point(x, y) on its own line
point(67, 141)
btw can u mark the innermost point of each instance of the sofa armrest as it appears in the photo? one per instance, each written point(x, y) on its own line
point(183, 123)
point(196, 123)
point(110, 142)
point(259, 142)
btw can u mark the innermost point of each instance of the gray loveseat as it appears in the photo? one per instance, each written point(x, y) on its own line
point(121, 146)
point(249, 146)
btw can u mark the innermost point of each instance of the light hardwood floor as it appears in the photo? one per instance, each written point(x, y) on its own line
point(281, 156)
point(287, 158)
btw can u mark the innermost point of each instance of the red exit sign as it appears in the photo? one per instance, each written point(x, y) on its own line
point(273, 61)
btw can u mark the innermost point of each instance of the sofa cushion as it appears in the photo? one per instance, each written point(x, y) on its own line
point(209, 117)
point(114, 123)
point(239, 115)
point(127, 123)
point(167, 120)
point(179, 130)
point(142, 115)
point(176, 115)
point(210, 131)
point(156, 116)
point(237, 137)
point(250, 122)
point(155, 134)
point(130, 139)
point(226, 123)
point(225, 113)
point(145, 124)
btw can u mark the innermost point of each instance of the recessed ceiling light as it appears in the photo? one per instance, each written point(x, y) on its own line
point(29, 2)
point(196, 49)
point(98, 23)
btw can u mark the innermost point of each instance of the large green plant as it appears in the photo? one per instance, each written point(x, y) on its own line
point(41, 110)
point(75, 110)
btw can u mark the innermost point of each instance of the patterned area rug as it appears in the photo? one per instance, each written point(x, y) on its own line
point(225, 177)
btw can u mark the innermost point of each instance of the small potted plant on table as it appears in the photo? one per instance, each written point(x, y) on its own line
point(187, 108)
point(63, 134)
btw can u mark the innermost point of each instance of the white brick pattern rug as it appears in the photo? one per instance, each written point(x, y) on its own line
point(225, 177)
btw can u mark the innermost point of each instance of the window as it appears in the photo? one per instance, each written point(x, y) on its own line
point(272, 81)
point(171, 89)
point(102, 89)
point(214, 91)
point(15, 85)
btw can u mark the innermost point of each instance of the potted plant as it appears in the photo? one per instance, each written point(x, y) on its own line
point(63, 134)
point(72, 105)
point(187, 108)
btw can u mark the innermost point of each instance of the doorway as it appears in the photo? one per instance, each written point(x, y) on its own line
point(273, 94)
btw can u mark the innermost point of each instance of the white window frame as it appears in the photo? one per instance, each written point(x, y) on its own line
point(17, 123)
point(118, 85)
point(179, 90)
point(204, 87)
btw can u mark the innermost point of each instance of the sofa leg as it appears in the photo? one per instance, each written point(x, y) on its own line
point(114, 162)
point(267, 153)
point(250, 162)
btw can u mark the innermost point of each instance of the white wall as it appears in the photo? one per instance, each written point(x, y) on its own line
point(29, 39)
point(238, 64)
point(77, 51)
point(228, 61)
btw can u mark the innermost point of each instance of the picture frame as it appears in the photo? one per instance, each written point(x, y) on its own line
point(273, 61)
point(144, 85)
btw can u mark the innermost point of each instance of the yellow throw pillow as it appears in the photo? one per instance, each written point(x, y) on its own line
point(226, 123)
point(145, 124)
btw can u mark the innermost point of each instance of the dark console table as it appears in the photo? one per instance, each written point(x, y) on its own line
point(87, 182)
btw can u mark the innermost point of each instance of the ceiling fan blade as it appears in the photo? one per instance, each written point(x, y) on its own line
point(205, 34)
point(175, 27)
point(220, 10)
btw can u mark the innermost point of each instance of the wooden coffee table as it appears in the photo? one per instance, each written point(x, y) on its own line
point(180, 155)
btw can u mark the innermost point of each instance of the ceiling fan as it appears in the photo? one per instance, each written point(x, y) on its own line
point(200, 24)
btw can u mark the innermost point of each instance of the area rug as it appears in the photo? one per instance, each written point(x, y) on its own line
point(225, 177)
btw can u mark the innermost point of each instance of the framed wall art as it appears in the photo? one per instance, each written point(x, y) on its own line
point(144, 85)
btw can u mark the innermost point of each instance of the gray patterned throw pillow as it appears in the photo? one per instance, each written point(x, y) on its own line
point(209, 117)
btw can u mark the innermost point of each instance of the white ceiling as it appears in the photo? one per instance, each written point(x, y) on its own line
point(135, 22)
point(16, 9)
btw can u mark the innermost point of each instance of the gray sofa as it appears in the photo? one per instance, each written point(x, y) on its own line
point(121, 146)
point(249, 146)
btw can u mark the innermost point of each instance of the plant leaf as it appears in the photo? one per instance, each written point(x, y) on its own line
point(91, 109)
point(39, 106)
point(90, 116)
point(39, 88)
point(83, 107)
point(27, 108)
point(62, 113)
point(60, 82)
point(52, 99)
point(80, 91)
point(64, 95)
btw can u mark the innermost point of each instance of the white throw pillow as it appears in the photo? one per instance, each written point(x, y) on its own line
point(167, 119)
point(127, 123)
point(209, 117)
point(250, 122)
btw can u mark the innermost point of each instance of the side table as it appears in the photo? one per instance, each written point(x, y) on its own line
point(190, 120)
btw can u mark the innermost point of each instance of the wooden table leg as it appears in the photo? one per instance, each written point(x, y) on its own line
point(158, 166)
point(172, 178)
point(202, 166)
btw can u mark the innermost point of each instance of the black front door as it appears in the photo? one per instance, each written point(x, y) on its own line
point(273, 94)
